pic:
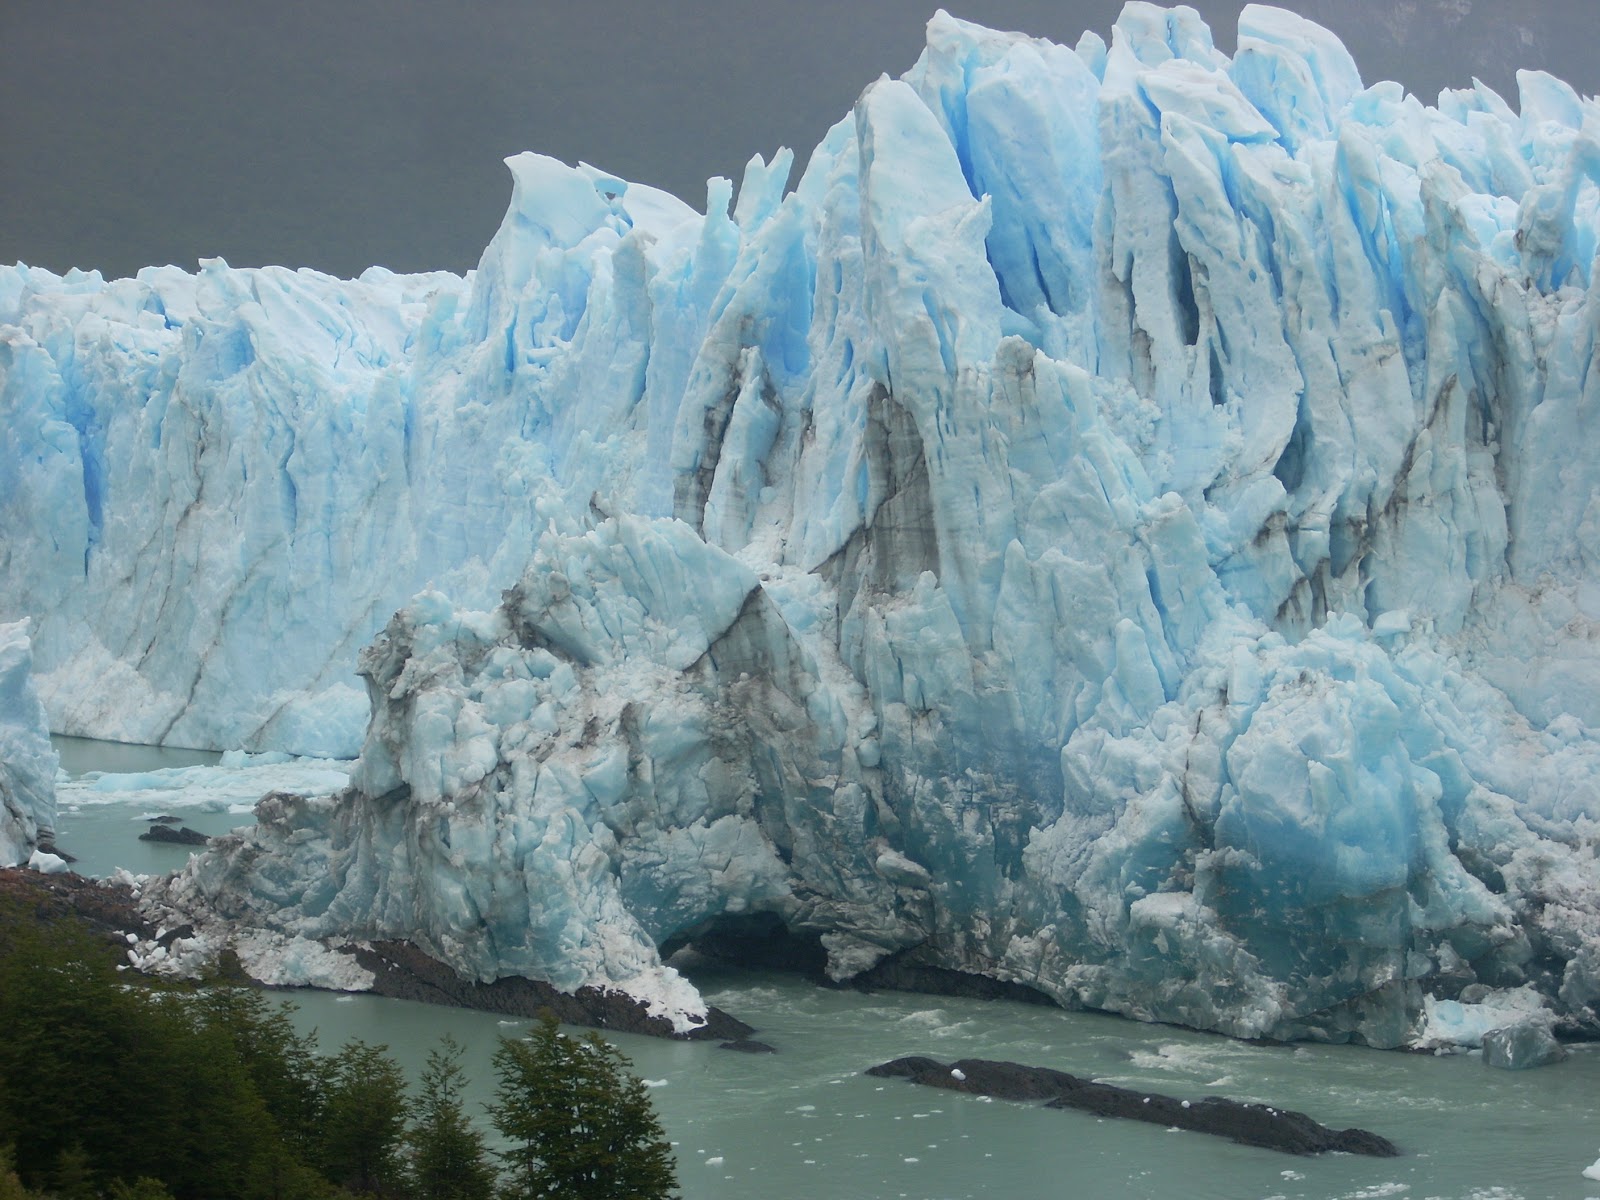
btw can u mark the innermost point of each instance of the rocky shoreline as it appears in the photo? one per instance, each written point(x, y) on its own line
point(403, 972)
point(111, 909)
point(105, 908)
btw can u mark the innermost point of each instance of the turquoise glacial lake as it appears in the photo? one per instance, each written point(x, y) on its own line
point(807, 1124)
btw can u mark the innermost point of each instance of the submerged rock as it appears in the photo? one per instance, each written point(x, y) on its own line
point(175, 837)
point(748, 1046)
point(1249, 1124)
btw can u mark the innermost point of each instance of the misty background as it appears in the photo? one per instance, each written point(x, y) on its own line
point(341, 133)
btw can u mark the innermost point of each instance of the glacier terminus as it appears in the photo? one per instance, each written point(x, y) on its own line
point(1125, 523)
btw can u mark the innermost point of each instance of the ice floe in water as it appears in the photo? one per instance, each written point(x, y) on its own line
point(233, 785)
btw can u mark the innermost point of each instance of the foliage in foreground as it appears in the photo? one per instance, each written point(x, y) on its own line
point(448, 1161)
point(114, 1090)
point(580, 1125)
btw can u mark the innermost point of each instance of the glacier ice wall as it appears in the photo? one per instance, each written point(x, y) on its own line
point(27, 760)
point(1121, 524)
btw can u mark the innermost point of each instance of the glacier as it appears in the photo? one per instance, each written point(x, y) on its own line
point(1121, 525)
point(27, 760)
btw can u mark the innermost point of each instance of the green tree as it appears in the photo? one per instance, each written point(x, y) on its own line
point(448, 1160)
point(142, 1188)
point(284, 1066)
point(68, 1015)
point(364, 1119)
point(282, 1081)
point(159, 1091)
point(580, 1123)
point(73, 1175)
point(10, 1186)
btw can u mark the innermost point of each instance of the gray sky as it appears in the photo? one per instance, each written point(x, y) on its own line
point(339, 133)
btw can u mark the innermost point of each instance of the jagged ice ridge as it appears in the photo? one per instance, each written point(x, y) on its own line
point(1122, 524)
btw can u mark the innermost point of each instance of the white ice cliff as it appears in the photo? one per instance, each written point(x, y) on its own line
point(1125, 523)
point(27, 760)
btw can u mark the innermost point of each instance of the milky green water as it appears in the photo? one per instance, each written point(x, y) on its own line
point(81, 755)
point(806, 1123)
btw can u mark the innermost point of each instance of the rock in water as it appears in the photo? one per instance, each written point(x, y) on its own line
point(1250, 1124)
point(176, 837)
point(748, 1046)
point(1124, 524)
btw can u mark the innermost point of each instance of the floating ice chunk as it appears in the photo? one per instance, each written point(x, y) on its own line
point(1521, 1046)
point(234, 784)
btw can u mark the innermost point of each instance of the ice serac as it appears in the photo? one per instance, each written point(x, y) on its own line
point(1120, 525)
point(27, 760)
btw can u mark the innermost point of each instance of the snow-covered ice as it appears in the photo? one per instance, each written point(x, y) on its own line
point(1122, 524)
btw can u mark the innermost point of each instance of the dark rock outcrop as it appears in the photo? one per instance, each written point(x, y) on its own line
point(400, 970)
point(1249, 1124)
point(107, 908)
point(403, 971)
point(982, 1077)
point(174, 837)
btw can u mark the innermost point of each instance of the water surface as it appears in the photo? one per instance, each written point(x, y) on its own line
point(806, 1124)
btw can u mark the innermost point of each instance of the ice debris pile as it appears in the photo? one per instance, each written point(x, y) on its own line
point(27, 760)
point(1121, 524)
